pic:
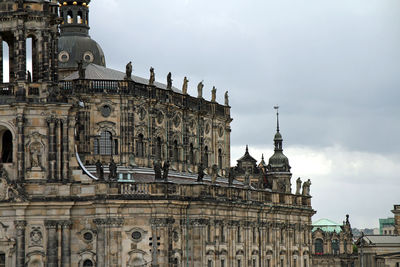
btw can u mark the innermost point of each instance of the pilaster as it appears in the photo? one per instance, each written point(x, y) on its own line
point(52, 243)
point(20, 252)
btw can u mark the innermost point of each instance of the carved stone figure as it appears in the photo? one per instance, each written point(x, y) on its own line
point(35, 153)
point(200, 173)
point(169, 81)
point(214, 174)
point(226, 99)
point(113, 171)
point(28, 76)
point(247, 178)
point(99, 170)
point(152, 76)
point(213, 94)
point(185, 86)
point(157, 169)
point(36, 236)
point(81, 70)
point(165, 170)
point(306, 188)
point(230, 176)
point(200, 89)
point(128, 70)
point(298, 186)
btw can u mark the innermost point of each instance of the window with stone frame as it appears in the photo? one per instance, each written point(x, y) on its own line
point(254, 235)
point(105, 143)
point(6, 147)
point(305, 263)
point(209, 233)
point(88, 263)
point(239, 234)
point(209, 263)
point(220, 158)
point(205, 157)
point(222, 233)
point(191, 154)
point(335, 246)
point(222, 262)
point(175, 151)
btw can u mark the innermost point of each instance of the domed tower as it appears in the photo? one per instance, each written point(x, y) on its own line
point(278, 168)
point(75, 44)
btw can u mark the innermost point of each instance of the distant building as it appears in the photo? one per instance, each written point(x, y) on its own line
point(378, 251)
point(332, 244)
point(396, 212)
point(386, 226)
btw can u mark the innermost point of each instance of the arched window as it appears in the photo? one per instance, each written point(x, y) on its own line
point(69, 17)
point(6, 63)
point(219, 158)
point(158, 148)
point(105, 143)
point(176, 151)
point(335, 246)
point(87, 263)
point(319, 246)
point(139, 146)
point(205, 157)
point(2, 259)
point(6, 147)
point(191, 154)
point(79, 19)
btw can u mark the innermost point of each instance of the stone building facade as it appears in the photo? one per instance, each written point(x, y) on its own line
point(103, 168)
point(332, 244)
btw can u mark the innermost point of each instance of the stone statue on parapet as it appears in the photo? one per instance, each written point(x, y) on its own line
point(306, 188)
point(214, 173)
point(247, 178)
point(226, 99)
point(200, 89)
point(128, 71)
point(213, 94)
point(81, 70)
point(157, 169)
point(169, 81)
point(99, 170)
point(298, 186)
point(200, 173)
point(28, 76)
point(152, 76)
point(230, 176)
point(113, 171)
point(185, 86)
point(165, 170)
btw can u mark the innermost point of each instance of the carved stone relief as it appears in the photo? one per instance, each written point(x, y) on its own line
point(36, 149)
point(36, 236)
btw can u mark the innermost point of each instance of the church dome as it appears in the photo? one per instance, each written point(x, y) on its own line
point(75, 48)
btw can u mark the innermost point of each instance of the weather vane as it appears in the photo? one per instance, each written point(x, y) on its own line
point(277, 117)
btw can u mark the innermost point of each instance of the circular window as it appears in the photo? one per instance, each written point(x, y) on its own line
point(88, 236)
point(88, 57)
point(106, 110)
point(136, 235)
point(63, 56)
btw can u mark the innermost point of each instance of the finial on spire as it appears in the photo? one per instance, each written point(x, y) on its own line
point(247, 148)
point(277, 118)
point(262, 156)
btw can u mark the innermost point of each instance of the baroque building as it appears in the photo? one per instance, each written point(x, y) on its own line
point(102, 168)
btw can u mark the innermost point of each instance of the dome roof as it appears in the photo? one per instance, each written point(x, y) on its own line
point(278, 162)
point(74, 48)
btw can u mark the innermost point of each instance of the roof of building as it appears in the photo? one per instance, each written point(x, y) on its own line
point(381, 239)
point(97, 72)
point(326, 225)
point(247, 156)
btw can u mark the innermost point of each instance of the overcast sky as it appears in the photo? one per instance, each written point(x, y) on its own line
point(332, 65)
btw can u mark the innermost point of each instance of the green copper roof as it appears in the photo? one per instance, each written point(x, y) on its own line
point(326, 226)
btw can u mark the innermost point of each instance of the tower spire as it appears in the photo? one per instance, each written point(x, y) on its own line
point(277, 118)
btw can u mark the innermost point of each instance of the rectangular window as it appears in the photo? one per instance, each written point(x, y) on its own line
point(254, 263)
point(209, 263)
point(305, 262)
point(294, 263)
point(222, 234)
point(239, 235)
point(222, 263)
point(268, 262)
point(281, 262)
point(239, 263)
point(209, 233)
point(254, 235)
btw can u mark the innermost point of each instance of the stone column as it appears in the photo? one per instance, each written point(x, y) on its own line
point(20, 147)
point(45, 57)
point(52, 152)
point(100, 243)
point(57, 148)
point(65, 164)
point(198, 241)
point(1, 59)
point(52, 243)
point(20, 251)
point(20, 53)
point(66, 243)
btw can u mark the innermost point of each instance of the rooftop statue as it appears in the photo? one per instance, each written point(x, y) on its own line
point(113, 171)
point(226, 99)
point(200, 173)
point(169, 81)
point(200, 89)
point(157, 169)
point(129, 70)
point(213, 94)
point(306, 188)
point(298, 186)
point(185, 86)
point(99, 170)
point(165, 170)
point(28, 76)
point(152, 76)
point(81, 70)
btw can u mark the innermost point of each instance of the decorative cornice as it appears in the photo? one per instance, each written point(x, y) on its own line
point(116, 222)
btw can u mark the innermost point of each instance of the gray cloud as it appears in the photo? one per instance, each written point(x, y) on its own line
point(331, 65)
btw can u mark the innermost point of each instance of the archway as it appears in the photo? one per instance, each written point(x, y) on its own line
point(6, 146)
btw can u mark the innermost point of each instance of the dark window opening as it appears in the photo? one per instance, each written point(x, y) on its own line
point(319, 246)
point(335, 246)
point(2, 260)
point(219, 158)
point(87, 263)
point(6, 147)
point(176, 151)
point(139, 146)
point(205, 157)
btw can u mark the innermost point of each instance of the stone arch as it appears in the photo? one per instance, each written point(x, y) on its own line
point(85, 256)
point(8, 144)
point(35, 259)
point(136, 258)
